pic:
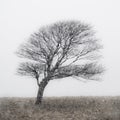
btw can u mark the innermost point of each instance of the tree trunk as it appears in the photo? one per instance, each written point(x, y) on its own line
point(41, 88)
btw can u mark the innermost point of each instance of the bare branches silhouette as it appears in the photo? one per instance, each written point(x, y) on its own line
point(55, 51)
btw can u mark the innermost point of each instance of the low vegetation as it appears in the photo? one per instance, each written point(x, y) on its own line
point(63, 108)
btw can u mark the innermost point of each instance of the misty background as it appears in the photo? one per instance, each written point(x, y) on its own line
point(20, 18)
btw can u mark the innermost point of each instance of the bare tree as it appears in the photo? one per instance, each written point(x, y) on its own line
point(56, 51)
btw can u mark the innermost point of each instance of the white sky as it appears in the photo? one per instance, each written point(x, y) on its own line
point(20, 18)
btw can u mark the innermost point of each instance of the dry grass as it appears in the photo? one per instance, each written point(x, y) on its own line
point(73, 108)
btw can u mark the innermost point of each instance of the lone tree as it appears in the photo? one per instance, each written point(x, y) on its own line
point(64, 49)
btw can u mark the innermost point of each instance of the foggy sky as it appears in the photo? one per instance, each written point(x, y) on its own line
point(20, 18)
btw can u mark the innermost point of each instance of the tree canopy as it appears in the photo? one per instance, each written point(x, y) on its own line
point(56, 51)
